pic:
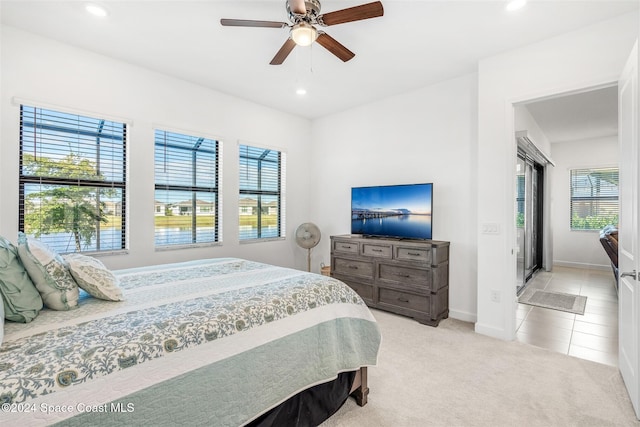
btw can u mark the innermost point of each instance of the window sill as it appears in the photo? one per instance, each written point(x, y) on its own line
point(181, 247)
point(266, 239)
point(105, 253)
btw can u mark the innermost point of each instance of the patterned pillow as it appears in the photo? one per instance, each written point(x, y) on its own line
point(92, 276)
point(49, 273)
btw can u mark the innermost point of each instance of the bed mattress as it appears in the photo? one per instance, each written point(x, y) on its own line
point(209, 342)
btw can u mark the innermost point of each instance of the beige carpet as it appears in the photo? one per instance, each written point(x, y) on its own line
point(451, 376)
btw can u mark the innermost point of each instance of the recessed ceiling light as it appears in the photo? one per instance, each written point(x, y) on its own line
point(301, 91)
point(515, 4)
point(96, 10)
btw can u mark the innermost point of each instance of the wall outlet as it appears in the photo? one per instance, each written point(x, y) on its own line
point(495, 295)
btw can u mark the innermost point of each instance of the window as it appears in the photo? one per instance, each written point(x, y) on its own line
point(186, 189)
point(72, 180)
point(261, 205)
point(594, 198)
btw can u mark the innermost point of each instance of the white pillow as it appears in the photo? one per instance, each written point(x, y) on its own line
point(49, 273)
point(92, 276)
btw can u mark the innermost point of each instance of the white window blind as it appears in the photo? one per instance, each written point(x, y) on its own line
point(186, 189)
point(72, 180)
point(261, 204)
point(594, 198)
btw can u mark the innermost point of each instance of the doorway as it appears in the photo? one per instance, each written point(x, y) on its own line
point(580, 131)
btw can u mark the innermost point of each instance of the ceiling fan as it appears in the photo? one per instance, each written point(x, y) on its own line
point(304, 16)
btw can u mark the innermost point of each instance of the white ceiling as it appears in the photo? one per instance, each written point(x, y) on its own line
point(415, 43)
point(586, 115)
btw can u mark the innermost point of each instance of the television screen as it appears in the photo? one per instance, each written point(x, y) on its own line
point(392, 210)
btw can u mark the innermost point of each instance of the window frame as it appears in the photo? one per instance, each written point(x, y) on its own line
point(193, 187)
point(279, 193)
point(607, 198)
point(26, 179)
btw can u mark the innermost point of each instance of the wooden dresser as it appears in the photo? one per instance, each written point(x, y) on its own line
point(408, 277)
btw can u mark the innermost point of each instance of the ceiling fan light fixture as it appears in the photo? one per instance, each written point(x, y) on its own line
point(303, 34)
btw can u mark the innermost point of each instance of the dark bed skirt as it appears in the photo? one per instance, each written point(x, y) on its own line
point(310, 407)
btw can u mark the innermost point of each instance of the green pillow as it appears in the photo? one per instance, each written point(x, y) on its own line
point(21, 300)
point(49, 273)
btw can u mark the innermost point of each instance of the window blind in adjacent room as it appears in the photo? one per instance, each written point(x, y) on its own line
point(594, 198)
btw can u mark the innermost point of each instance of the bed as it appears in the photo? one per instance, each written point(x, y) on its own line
point(208, 342)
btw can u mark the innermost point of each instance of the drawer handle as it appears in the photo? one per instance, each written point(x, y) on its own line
point(403, 299)
point(345, 247)
point(353, 267)
point(406, 276)
point(413, 253)
point(376, 250)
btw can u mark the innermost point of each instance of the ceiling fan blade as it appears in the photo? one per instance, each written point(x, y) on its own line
point(297, 6)
point(333, 46)
point(251, 23)
point(284, 51)
point(356, 13)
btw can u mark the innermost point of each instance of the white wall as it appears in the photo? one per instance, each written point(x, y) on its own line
point(577, 248)
point(523, 120)
point(47, 73)
point(428, 135)
point(589, 57)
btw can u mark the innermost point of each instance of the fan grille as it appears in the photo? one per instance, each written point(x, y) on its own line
point(307, 235)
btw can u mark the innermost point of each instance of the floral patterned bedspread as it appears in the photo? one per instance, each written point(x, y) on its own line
point(167, 309)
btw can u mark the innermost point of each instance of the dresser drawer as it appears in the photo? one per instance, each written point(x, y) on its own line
point(346, 247)
point(352, 267)
point(413, 254)
point(403, 299)
point(382, 251)
point(420, 277)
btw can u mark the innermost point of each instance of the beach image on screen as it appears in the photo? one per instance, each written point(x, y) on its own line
point(395, 210)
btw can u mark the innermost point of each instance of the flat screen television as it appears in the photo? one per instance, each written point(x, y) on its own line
point(402, 211)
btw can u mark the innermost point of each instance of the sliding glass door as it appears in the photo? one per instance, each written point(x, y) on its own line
point(529, 196)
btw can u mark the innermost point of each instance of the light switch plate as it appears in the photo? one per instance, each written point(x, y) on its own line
point(490, 228)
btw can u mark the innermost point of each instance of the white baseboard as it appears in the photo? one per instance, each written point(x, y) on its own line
point(493, 332)
point(581, 265)
point(463, 315)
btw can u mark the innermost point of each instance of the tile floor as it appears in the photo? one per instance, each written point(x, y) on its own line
point(592, 336)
